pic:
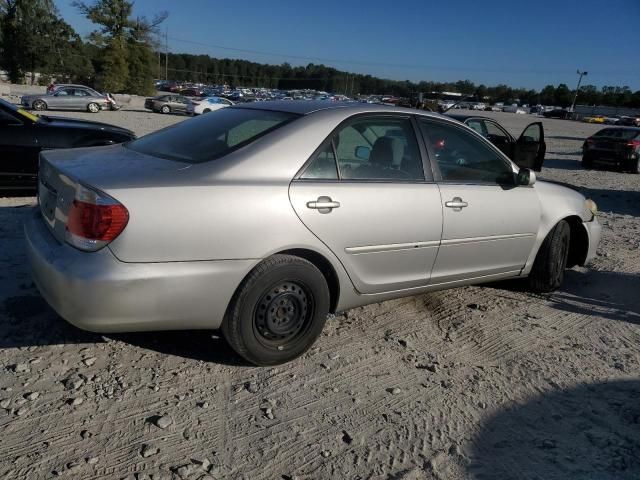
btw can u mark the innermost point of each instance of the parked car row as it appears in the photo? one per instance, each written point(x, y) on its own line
point(173, 103)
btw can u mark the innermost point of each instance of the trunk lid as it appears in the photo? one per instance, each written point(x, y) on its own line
point(104, 168)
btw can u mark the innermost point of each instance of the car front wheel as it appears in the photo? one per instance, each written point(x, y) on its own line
point(93, 107)
point(278, 311)
point(165, 109)
point(550, 263)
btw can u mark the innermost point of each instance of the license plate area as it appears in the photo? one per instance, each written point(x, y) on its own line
point(48, 199)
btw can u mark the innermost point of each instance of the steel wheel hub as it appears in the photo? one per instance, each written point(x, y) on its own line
point(282, 312)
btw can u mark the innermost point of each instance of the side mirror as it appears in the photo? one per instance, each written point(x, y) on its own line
point(525, 177)
point(363, 153)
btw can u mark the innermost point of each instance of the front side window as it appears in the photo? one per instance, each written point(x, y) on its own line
point(495, 133)
point(461, 157)
point(376, 149)
point(210, 136)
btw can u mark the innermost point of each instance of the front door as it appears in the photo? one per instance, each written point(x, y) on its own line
point(530, 148)
point(18, 153)
point(364, 194)
point(489, 223)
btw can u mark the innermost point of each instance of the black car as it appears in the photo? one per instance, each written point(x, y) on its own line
point(23, 135)
point(557, 113)
point(527, 151)
point(618, 147)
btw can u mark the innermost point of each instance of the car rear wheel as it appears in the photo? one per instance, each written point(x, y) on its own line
point(165, 109)
point(587, 164)
point(93, 107)
point(39, 105)
point(278, 311)
point(206, 110)
point(634, 166)
point(550, 263)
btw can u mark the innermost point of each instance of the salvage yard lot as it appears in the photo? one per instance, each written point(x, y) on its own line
point(477, 382)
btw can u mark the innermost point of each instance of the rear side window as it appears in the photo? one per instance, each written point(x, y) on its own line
point(210, 136)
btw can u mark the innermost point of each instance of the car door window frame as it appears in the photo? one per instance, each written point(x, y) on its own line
point(415, 128)
point(437, 175)
point(507, 135)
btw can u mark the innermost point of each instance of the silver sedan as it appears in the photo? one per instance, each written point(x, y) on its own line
point(68, 98)
point(261, 219)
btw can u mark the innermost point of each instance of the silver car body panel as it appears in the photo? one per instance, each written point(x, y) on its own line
point(385, 235)
point(196, 230)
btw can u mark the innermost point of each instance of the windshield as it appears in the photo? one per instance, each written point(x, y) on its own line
point(210, 136)
point(623, 133)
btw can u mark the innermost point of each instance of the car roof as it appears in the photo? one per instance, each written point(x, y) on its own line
point(462, 118)
point(306, 107)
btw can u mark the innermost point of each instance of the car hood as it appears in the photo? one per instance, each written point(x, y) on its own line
point(88, 124)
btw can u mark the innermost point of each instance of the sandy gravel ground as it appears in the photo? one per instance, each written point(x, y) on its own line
point(473, 383)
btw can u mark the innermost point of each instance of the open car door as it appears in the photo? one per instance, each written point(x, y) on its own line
point(530, 148)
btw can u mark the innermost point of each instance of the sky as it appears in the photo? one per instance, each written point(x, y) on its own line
point(526, 44)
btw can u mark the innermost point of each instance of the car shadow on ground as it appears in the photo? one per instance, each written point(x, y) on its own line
point(561, 164)
point(621, 202)
point(27, 320)
point(610, 295)
point(562, 137)
point(18, 193)
point(591, 431)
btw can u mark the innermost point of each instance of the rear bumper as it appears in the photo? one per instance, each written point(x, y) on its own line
point(97, 292)
point(609, 157)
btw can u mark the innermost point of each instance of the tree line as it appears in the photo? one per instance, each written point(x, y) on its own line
point(116, 57)
point(123, 55)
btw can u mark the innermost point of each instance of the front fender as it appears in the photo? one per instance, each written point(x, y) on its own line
point(557, 203)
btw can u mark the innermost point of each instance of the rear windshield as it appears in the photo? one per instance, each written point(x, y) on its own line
point(623, 133)
point(210, 136)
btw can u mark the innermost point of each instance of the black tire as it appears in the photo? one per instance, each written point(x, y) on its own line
point(39, 105)
point(278, 311)
point(634, 166)
point(206, 110)
point(587, 163)
point(551, 261)
point(165, 109)
point(93, 107)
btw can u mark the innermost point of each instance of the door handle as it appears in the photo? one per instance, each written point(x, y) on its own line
point(457, 204)
point(323, 204)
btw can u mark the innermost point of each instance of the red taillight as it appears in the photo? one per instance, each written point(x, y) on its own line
point(589, 140)
point(97, 222)
point(94, 219)
point(634, 143)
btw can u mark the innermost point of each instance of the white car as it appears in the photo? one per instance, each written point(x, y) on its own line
point(206, 105)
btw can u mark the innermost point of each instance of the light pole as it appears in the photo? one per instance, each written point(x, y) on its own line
point(577, 88)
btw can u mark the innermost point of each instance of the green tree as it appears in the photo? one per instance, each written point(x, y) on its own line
point(28, 29)
point(127, 61)
point(562, 96)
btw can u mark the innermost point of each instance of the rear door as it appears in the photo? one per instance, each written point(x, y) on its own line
point(364, 194)
point(530, 148)
point(489, 223)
